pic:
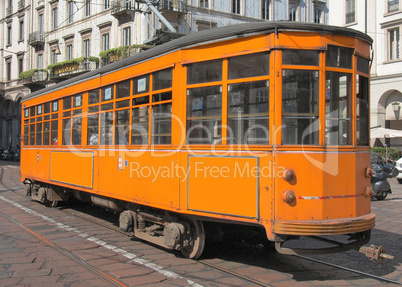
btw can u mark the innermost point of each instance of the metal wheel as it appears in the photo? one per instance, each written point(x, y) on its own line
point(54, 204)
point(197, 241)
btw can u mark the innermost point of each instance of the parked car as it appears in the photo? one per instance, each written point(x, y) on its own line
point(399, 167)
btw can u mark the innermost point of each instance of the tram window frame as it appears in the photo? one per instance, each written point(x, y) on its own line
point(123, 89)
point(249, 66)
point(339, 57)
point(362, 103)
point(292, 117)
point(301, 57)
point(205, 72)
point(248, 113)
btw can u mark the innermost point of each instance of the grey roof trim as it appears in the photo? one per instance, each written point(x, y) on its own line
point(208, 36)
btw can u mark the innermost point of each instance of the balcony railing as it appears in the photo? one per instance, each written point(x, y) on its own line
point(69, 69)
point(34, 79)
point(178, 6)
point(9, 11)
point(36, 38)
point(117, 54)
point(120, 7)
point(21, 5)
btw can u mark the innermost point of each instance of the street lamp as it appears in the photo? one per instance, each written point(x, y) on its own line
point(395, 106)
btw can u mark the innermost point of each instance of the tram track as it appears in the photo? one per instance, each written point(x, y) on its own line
point(204, 262)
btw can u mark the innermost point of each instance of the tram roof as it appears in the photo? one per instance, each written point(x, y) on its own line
point(201, 37)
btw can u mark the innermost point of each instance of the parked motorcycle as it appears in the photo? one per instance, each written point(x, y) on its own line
point(379, 182)
point(5, 154)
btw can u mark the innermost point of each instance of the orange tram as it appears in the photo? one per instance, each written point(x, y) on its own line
point(256, 131)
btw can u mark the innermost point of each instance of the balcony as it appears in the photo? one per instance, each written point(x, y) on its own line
point(34, 79)
point(123, 7)
point(36, 38)
point(21, 5)
point(117, 54)
point(172, 6)
point(71, 68)
point(9, 11)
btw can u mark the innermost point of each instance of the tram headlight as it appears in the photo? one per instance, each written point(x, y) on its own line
point(369, 172)
point(368, 192)
point(288, 196)
point(290, 174)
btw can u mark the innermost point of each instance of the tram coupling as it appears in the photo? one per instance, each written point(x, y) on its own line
point(375, 253)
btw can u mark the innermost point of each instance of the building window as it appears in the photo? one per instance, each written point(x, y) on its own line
point(350, 11)
point(54, 18)
point(40, 61)
point(236, 6)
point(318, 12)
point(293, 10)
point(393, 5)
point(40, 22)
point(87, 8)
point(265, 9)
point(105, 42)
point(21, 38)
point(70, 12)
point(8, 70)
point(127, 36)
point(9, 35)
point(393, 44)
point(86, 48)
point(54, 57)
point(106, 4)
point(69, 52)
point(20, 65)
point(204, 4)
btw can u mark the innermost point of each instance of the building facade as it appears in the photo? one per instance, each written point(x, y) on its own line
point(382, 20)
point(47, 41)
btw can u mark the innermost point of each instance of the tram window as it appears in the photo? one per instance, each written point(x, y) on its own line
point(162, 79)
point(77, 130)
point(55, 116)
point(339, 57)
point(66, 114)
point(301, 57)
point(204, 72)
point(32, 134)
point(39, 110)
point(107, 93)
point(123, 89)
point(122, 126)
point(46, 133)
point(67, 103)
point(162, 97)
point(93, 129)
point(77, 101)
point(26, 135)
point(93, 109)
point(39, 119)
point(46, 108)
point(106, 128)
point(300, 123)
point(141, 85)
point(54, 132)
point(338, 121)
point(32, 111)
point(45, 118)
point(55, 106)
point(93, 97)
point(106, 107)
point(248, 66)
point(66, 136)
point(204, 115)
point(122, 104)
point(248, 113)
point(77, 112)
point(362, 110)
point(362, 65)
point(161, 124)
point(26, 112)
point(39, 134)
point(140, 101)
point(139, 126)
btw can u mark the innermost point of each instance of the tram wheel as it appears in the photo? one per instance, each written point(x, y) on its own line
point(197, 241)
